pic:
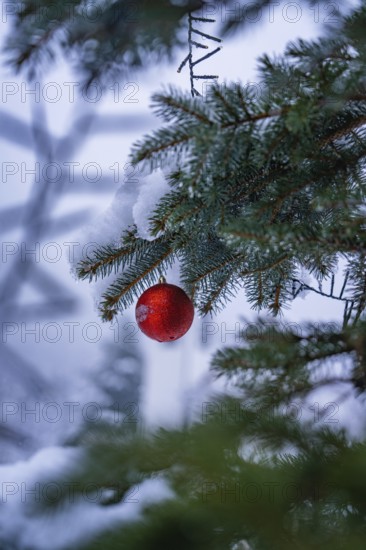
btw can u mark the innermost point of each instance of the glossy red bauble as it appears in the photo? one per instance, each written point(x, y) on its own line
point(164, 312)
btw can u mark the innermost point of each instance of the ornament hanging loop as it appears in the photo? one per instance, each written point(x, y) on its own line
point(162, 279)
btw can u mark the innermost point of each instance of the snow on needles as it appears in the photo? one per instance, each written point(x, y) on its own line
point(133, 203)
point(26, 484)
point(152, 189)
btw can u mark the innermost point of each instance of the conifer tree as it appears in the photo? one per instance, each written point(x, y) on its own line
point(262, 190)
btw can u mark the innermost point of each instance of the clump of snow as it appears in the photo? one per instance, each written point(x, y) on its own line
point(24, 485)
point(108, 227)
point(133, 203)
point(152, 188)
point(142, 312)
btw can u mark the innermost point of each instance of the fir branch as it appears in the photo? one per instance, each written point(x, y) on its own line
point(204, 57)
point(173, 106)
point(217, 298)
point(343, 131)
point(320, 292)
point(310, 348)
point(216, 267)
point(108, 258)
point(160, 144)
point(124, 290)
point(344, 284)
point(267, 267)
point(208, 36)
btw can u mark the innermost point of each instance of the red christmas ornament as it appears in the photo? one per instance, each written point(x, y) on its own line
point(164, 312)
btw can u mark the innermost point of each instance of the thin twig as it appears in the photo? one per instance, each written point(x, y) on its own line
point(321, 292)
point(189, 58)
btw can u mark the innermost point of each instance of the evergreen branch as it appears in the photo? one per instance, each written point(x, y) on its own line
point(285, 189)
point(247, 236)
point(273, 113)
point(348, 308)
point(190, 31)
point(106, 259)
point(252, 117)
point(172, 106)
point(360, 305)
point(145, 35)
point(207, 273)
point(183, 64)
point(198, 45)
point(268, 267)
point(344, 131)
point(160, 144)
point(203, 58)
point(34, 48)
point(275, 306)
point(123, 291)
point(189, 58)
point(221, 288)
point(309, 349)
point(344, 284)
point(320, 292)
point(167, 139)
point(203, 19)
point(205, 76)
point(164, 211)
point(210, 37)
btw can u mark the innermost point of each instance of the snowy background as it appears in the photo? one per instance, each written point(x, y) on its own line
point(59, 363)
